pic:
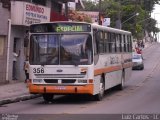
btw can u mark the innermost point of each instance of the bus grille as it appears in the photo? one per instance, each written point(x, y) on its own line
point(50, 81)
point(60, 75)
point(62, 81)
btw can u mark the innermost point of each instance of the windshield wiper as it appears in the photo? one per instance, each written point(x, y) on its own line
point(75, 62)
point(43, 63)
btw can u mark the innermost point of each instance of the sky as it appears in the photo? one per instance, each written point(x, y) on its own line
point(156, 15)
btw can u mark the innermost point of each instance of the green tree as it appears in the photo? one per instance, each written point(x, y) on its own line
point(122, 10)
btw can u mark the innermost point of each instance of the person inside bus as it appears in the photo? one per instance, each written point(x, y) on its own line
point(53, 58)
point(86, 55)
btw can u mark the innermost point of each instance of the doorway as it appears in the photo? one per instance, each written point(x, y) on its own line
point(16, 54)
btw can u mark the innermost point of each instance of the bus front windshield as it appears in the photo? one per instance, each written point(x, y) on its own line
point(61, 49)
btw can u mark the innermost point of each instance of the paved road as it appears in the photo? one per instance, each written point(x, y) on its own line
point(141, 95)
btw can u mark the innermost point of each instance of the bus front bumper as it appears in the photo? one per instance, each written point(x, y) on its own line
point(41, 89)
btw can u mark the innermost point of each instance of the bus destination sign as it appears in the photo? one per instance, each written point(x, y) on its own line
point(69, 29)
point(60, 27)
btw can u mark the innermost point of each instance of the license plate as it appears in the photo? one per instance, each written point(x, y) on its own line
point(60, 88)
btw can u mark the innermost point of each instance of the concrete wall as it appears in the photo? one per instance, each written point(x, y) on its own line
point(3, 59)
point(4, 16)
point(17, 32)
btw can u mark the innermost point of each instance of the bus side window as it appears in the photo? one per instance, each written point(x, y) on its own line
point(113, 42)
point(106, 44)
point(101, 42)
point(125, 43)
point(95, 42)
point(109, 42)
point(117, 43)
point(95, 45)
point(122, 43)
point(129, 43)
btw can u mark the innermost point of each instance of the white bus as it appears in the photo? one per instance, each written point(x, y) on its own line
point(77, 58)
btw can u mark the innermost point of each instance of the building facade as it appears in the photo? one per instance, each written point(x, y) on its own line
point(5, 15)
point(16, 16)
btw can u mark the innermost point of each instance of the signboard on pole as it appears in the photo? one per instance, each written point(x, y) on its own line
point(92, 15)
point(106, 22)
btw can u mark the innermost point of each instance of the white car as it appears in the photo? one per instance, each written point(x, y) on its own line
point(137, 60)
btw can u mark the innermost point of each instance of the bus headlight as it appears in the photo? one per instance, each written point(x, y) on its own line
point(37, 80)
point(82, 81)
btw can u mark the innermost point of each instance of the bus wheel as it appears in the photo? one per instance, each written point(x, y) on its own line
point(121, 86)
point(100, 95)
point(48, 97)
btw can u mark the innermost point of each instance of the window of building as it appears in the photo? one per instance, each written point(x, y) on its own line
point(39, 2)
point(1, 45)
point(15, 45)
point(57, 7)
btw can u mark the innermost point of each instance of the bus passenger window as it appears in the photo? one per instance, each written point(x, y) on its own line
point(95, 42)
point(117, 43)
point(113, 42)
point(106, 45)
point(101, 42)
point(129, 43)
point(125, 44)
point(109, 42)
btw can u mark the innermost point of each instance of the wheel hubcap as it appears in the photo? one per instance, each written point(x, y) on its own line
point(101, 89)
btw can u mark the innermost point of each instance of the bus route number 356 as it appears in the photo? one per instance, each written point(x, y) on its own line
point(38, 70)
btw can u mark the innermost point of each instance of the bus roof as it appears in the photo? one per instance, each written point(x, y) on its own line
point(110, 29)
point(95, 26)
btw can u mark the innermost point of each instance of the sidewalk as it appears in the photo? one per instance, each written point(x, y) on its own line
point(148, 44)
point(14, 92)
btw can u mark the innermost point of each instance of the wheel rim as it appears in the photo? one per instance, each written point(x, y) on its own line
point(122, 82)
point(101, 89)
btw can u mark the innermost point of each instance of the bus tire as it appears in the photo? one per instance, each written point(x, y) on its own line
point(48, 97)
point(100, 95)
point(121, 85)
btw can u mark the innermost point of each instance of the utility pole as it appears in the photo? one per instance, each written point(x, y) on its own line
point(145, 24)
point(118, 21)
point(99, 21)
point(135, 20)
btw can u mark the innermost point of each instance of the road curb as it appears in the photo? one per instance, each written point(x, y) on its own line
point(18, 99)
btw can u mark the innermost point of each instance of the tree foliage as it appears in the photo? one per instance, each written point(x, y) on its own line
point(122, 10)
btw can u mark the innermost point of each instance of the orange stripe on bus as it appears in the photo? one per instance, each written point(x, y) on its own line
point(127, 65)
point(40, 89)
point(112, 68)
point(107, 69)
